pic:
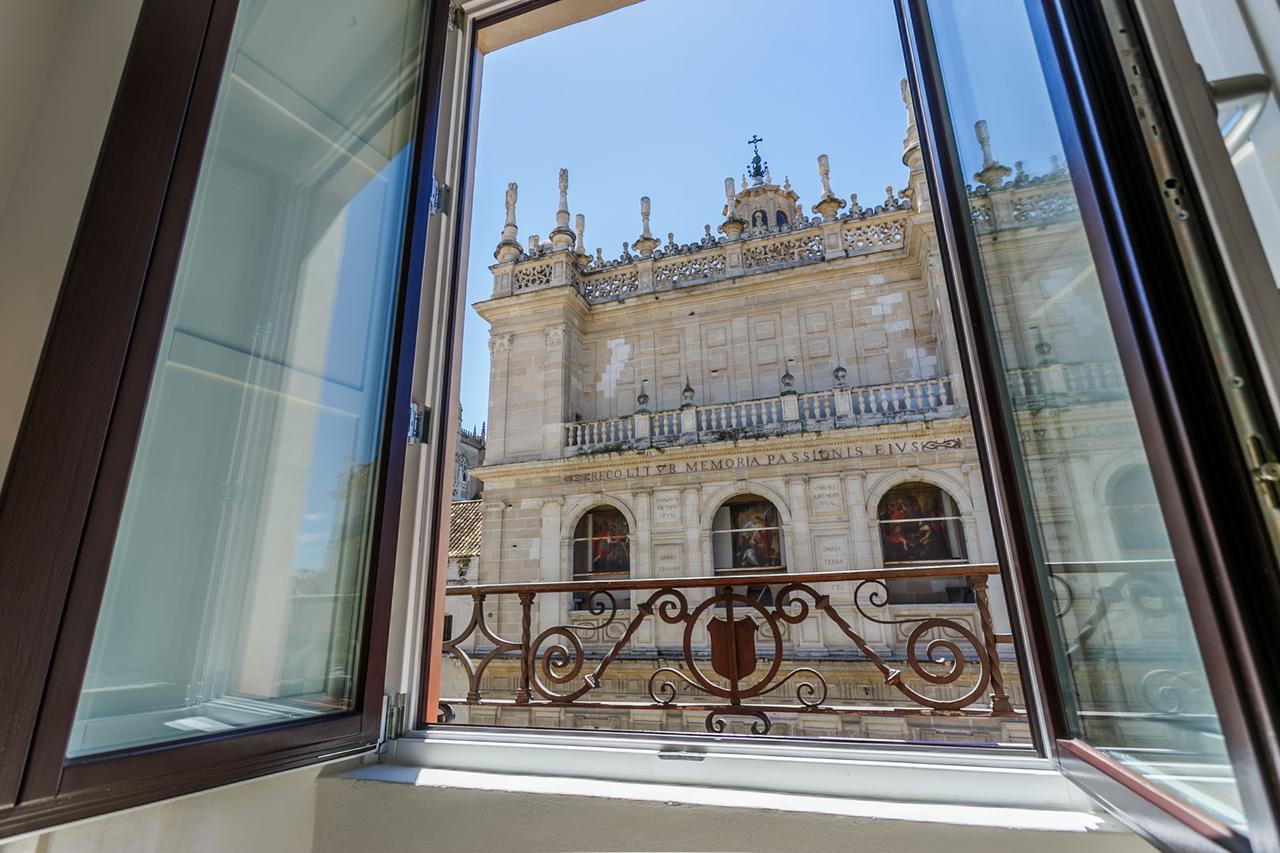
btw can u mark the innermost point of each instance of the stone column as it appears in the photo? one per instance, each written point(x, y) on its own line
point(642, 565)
point(554, 383)
point(800, 556)
point(982, 548)
point(550, 608)
point(496, 439)
point(642, 536)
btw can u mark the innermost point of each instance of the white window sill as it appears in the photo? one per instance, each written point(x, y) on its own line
point(1004, 790)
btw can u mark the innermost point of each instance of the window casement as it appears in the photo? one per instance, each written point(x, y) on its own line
point(198, 454)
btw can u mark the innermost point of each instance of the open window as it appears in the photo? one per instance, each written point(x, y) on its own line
point(288, 266)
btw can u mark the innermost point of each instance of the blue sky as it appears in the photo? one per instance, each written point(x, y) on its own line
point(659, 99)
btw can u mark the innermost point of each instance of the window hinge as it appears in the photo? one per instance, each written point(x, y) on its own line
point(1266, 471)
point(418, 423)
point(392, 719)
point(457, 17)
point(441, 194)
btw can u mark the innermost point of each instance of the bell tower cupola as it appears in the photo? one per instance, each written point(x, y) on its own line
point(759, 206)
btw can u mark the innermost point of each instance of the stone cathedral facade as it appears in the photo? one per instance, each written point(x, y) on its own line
point(781, 396)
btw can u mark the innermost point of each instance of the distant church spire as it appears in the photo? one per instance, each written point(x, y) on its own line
point(758, 167)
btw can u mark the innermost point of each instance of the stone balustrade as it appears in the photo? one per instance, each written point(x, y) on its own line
point(1051, 382)
point(809, 240)
point(836, 408)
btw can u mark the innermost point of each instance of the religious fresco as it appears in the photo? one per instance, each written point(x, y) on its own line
point(917, 525)
point(602, 543)
point(756, 543)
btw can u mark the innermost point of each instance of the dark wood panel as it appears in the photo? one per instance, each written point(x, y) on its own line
point(59, 446)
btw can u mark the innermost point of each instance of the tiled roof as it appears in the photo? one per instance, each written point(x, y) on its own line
point(464, 528)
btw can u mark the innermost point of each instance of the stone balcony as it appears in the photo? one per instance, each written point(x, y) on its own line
point(837, 408)
point(1050, 385)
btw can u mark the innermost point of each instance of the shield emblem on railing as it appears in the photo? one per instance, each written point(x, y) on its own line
point(733, 648)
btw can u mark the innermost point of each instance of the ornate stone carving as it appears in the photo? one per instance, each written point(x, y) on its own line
point(555, 335)
point(532, 277)
point(872, 237)
point(808, 247)
point(500, 345)
point(696, 267)
point(598, 287)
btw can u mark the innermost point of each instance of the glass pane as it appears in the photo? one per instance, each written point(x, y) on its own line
point(237, 585)
point(732, 329)
point(1133, 674)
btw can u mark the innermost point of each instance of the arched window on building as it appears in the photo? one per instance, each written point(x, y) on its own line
point(746, 538)
point(601, 550)
point(1135, 514)
point(781, 219)
point(920, 523)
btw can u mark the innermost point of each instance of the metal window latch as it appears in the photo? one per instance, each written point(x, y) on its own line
point(1266, 471)
point(441, 194)
point(418, 423)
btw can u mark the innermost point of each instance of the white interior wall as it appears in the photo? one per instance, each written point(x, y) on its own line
point(275, 814)
point(60, 64)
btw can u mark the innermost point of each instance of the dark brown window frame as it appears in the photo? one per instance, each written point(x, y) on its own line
point(65, 486)
point(1164, 350)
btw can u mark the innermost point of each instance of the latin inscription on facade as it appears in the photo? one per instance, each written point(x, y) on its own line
point(668, 560)
point(832, 552)
point(766, 460)
point(826, 497)
point(666, 508)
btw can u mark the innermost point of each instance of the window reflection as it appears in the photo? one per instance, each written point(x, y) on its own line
point(1134, 674)
point(236, 589)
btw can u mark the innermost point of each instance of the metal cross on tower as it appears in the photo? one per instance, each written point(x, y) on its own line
point(756, 171)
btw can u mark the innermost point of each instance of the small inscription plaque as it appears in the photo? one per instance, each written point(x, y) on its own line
point(668, 560)
point(831, 552)
point(826, 497)
point(666, 508)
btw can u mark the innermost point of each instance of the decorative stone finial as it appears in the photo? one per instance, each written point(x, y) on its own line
point(686, 393)
point(561, 236)
point(853, 203)
point(706, 234)
point(646, 242)
point(744, 182)
point(626, 251)
point(824, 174)
point(828, 205)
point(786, 183)
point(599, 256)
point(1019, 174)
point(509, 246)
point(788, 382)
point(533, 244)
point(767, 179)
point(890, 198)
point(1044, 349)
point(642, 399)
point(671, 239)
point(839, 374)
point(580, 227)
point(993, 173)
point(733, 224)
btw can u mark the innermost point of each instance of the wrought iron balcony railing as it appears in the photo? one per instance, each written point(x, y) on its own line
point(735, 657)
